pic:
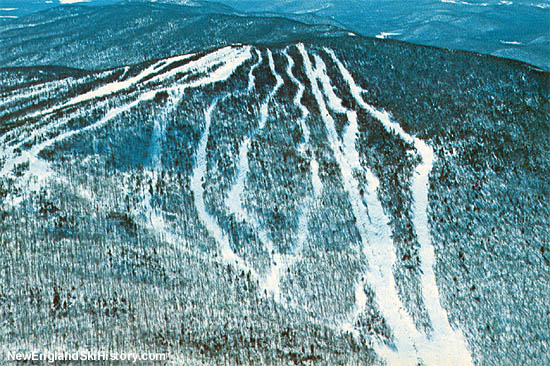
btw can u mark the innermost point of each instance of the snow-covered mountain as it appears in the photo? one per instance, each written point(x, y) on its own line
point(322, 198)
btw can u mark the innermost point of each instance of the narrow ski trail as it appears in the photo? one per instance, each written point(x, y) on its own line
point(39, 170)
point(303, 218)
point(372, 224)
point(443, 345)
point(251, 77)
point(197, 187)
point(234, 200)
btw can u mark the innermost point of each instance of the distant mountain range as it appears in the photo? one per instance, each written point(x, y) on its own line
point(513, 29)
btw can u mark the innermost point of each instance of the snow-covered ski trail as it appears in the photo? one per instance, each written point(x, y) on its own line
point(41, 169)
point(444, 345)
point(197, 181)
point(303, 218)
point(234, 202)
point(218, 57)
point(251, 77)
point(116, 86)
point(372, 225)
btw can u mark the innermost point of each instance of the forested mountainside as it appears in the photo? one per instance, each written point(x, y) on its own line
point(334, 200)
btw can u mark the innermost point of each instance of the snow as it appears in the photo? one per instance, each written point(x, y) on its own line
point(372, 224)
point(511, 42)
point(444, 345)
point(384, 35)
point(464, 3)
point(73, 1)
point(251, 77)
point(233, 201)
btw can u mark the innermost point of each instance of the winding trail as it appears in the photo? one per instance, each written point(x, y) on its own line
point(41, 170)
point(371, 223)
point(444, 345)
point(197, 181)
point(234, 200)
point(303, 218)
point(251, 77)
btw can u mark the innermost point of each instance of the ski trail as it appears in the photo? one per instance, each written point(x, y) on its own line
point(30, 93)
point(116, 86)
point(155, 149)
point(444, 344)
point(251, 77)
point(159, 133)
point(303, 218)
point(200, 65)
point(374, 231)
point(234, 201)
point(41, 169)
point(197, 182)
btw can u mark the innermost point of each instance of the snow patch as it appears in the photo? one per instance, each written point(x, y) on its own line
point(73, 1)
point(516, 43)
point(384, 35)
